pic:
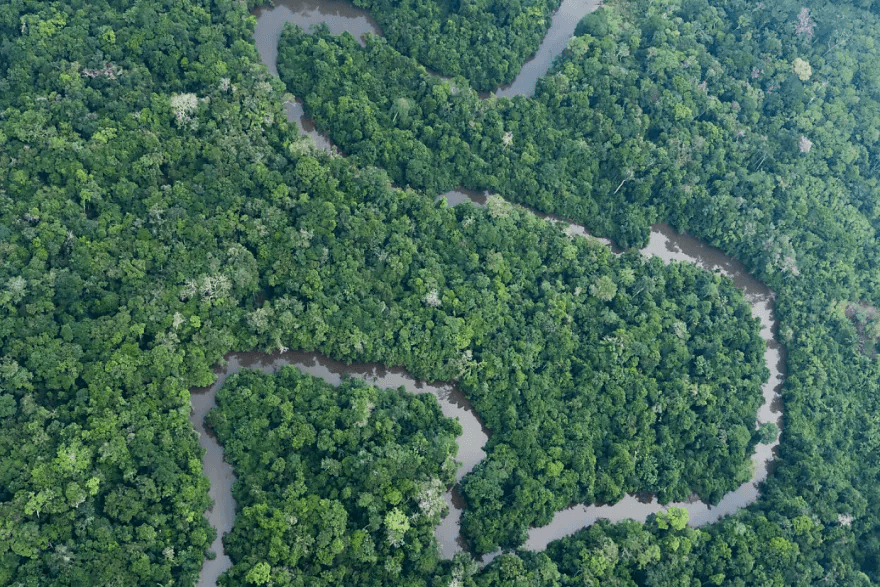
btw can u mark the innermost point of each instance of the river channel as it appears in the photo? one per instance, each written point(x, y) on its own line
point(342, 16)
point(451, 399)
point(664, 243)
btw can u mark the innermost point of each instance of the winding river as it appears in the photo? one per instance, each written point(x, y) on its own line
point(341, 16)
point(664, 243)
point(452, 402)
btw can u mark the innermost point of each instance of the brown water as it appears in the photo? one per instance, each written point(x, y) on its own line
point(461, 195)
point(664, 243)
point(565, 20)
point(222, 515)
point(452, 402)
point(306, 125)
point(670, 246)
point(342, 16)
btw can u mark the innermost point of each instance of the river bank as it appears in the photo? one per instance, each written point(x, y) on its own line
point(664, 243)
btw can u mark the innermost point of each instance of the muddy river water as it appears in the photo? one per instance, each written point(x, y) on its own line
point(664, 243)
point(341, 16)
point(452, 402)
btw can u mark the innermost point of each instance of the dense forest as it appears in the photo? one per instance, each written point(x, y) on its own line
point(158, 211)
point(335, 485)
point(748, 125)
point(487, 40)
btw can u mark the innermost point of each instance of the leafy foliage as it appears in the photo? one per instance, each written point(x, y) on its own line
point(725, 120)
point(486, 41)
point(156, 211)
point(334, 485)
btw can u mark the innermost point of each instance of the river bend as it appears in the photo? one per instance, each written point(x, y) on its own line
point(664, 243)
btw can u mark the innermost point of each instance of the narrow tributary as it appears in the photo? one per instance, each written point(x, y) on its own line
point(664, 243)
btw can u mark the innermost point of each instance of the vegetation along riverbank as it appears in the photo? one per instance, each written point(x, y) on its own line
point(157, 211)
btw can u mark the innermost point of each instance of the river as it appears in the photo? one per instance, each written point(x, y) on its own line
point(664, 243)
point(452, 402)
point(342, 16)
point(670, 246)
